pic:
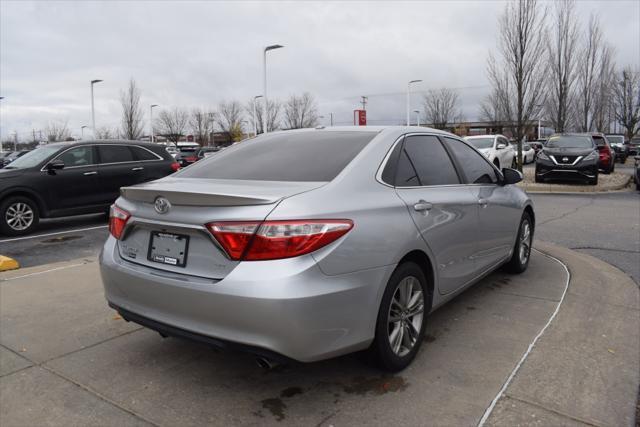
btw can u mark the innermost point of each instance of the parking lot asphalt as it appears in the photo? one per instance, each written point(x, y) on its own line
point(544, 350)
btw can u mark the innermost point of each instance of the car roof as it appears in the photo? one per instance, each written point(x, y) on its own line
point(483, 136)
point(102, 141)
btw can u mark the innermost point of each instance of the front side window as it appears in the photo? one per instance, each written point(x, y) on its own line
point(474, 166)
point(115, 154)
point(284, 156)
point(33, 158)
point(79, 156)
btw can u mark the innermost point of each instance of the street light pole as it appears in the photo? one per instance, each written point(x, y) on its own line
point(255, 124)
point(1, 148)
point(264, 75)
point(417, 116)
point(151, 119)
point(409, 100)
point(82, 132)
point(93, 112)
point(331, 118)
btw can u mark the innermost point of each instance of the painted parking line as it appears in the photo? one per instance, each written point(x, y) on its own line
point(53, 234)
point(489, 410)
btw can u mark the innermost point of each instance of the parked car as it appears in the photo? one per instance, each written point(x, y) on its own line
point(636, 173)
point(64, 179)
point(528, 153)
point(171, 149)
point(308, 244)
point(206, 152)
point(10, 157)
point(568, 157)
point(634, 146)
point(186, 157)
point(620, 146)
point(496, 148)
point(537, 145)
point(607, 154)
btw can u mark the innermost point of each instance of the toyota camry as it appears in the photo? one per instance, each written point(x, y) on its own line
point(308, 244)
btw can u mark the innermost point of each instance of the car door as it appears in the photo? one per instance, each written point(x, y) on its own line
point(498, 219)
point(153, 166)
point(442, 208)
point(72, 187)
point(117, 168)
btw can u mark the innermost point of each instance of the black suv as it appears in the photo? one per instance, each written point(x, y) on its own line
point(571, 157)
point(64, 179)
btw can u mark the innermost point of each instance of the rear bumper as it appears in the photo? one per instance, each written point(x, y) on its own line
point(286, 307)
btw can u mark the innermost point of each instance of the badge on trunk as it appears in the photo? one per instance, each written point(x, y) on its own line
point(162, 205)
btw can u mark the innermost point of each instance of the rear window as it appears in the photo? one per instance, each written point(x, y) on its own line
point(295, 156)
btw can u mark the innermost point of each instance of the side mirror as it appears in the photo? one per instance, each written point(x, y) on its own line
point(54, 165)
point(511, 176)
point(501, 147)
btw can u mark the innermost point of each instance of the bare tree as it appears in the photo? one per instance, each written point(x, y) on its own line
point(562, 60)
point(604, 108)
point(131, 122)
point(105, 132)
point(521, 71)
point(441, 107)
point(229, 118)
point(57, 131)
point(627, 100)
point(201, 124)
point(172, 123)
point(273, 114)
point(588, 72)
point(300, 111)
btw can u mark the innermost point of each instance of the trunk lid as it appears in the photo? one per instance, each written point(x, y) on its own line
point(192, 204)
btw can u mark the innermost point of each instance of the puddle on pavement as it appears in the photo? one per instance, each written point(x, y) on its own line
point(61, 239)
point(377, 385)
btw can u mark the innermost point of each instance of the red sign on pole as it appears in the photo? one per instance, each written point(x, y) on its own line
point(360, 117)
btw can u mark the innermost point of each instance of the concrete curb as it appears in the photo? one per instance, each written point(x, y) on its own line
point(7, 263)
point(585, 370)
point(539, 188)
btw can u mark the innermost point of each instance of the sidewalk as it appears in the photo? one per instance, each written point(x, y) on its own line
point(67, 359)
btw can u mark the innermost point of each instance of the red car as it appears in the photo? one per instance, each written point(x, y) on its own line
point(607, 155)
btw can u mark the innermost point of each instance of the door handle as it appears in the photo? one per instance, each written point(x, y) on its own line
point(483, 202)
point(139, 168)
point(422, 206)
point(90, 173)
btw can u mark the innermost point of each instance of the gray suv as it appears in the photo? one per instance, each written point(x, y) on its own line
point(313, 243)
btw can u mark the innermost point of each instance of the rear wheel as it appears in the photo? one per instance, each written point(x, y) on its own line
point(401, 318)
point(522, 250)
point(18, 216)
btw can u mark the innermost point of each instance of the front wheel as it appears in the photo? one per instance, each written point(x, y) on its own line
point(522, 249)
point(401, 318)
point(18, 216)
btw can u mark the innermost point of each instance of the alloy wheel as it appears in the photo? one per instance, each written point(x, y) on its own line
point(525, 242)
point(406, 315)
point(19, 216)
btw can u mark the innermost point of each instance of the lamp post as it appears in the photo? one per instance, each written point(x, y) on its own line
point(331, 119)
point(1, 148)
point(255, 124)
point(93, 111)
point(409, 100)
point(151, 119)
point(264, 75)
point(82, 131)
point(417, 116)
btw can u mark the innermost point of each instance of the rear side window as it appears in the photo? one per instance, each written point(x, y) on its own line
point(115, 154)
point(295, 156)
point(475, 167)
point(143, 154)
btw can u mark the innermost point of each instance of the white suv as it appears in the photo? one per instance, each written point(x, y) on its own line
point(496, 148)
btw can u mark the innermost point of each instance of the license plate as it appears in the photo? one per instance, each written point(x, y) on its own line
point(168, 248)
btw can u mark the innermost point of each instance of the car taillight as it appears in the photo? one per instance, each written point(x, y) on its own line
point(175, 166)
point(118, 218)
point(268, 240)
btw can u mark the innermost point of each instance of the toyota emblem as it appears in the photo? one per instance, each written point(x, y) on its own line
point(162, 205)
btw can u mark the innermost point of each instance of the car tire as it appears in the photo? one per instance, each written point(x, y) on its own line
point(519, 260)
point(613, 167)
point(19, 215)
point(593, 181)
point(395, 304)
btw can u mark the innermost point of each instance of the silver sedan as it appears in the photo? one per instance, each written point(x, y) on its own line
point(313, 243)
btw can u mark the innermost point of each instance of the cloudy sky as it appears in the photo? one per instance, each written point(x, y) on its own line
point(196, 54)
